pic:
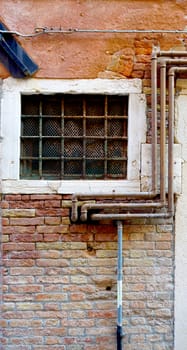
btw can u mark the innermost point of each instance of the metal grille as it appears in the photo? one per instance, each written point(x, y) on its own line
point(74, 137)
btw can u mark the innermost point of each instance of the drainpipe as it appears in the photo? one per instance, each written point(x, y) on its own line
point(119, 286)
point(171, 75)
point(164, 57)
point(154, 116)
point(162, 130)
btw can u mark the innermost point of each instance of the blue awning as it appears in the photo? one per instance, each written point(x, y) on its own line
point(14, 57)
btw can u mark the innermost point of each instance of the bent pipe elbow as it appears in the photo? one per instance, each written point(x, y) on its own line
point(74, 209)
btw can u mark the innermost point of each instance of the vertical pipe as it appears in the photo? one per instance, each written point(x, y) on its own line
point(171, 138)
point(119, 285)
point(171, 74)
point(162, 129)
point(154, 118)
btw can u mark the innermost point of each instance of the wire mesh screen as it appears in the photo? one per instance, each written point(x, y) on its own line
point(74, 137)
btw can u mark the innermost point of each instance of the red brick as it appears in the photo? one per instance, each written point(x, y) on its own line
point(52, 203)
point(26, 221)
point(51, 237)
point(18, 262)
point(45, 197)
point(26, 289)
point(5, 222)
point(4, 204)
point(18, 246)
point(53, 220)
point(26, 237)
point(32, 254)
point(14, 197)
point(52, 212)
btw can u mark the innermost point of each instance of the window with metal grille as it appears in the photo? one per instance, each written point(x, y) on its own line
point(65, 136)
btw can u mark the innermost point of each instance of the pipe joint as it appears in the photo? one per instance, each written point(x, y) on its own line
point(155, 52)
point(162, 61)
point(74, 210)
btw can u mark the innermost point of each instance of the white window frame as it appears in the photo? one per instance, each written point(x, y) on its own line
point(12, 89)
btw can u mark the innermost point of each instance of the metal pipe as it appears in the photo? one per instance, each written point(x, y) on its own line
point(171, 75)
point(172, 53)
point(162, 130)
point(125, 206)
point(45, 30)
point(115, 195)
point(119, 216)
point(154, 117)
point(120, 286)
point(164, 60)
point(130, 195)
point(74, 209)
point(176, 60)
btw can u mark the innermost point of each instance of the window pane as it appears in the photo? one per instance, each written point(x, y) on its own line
point(74, 136)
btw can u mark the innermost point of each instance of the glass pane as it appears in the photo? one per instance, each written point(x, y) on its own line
point(73, 127)
point(116, 149)
point(30, 104)
point(51, 169)
point(51, 127)
point(51, 148)
point(117, 127)
point(117, 105)
point(73, 148)
point(29, 169)
point(30, 127)
point(73, 105)
point(51, 105)
point(95, 127)
point(117, 168)
point(94, 168)
point(29, 148)
point(95, 105)
point(95, 149)
point(73, 168)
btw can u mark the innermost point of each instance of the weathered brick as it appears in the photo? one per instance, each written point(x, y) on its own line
point(52, 229)
point(26, 221)
point(18, 246)
point(18, 213)
point(26, 237)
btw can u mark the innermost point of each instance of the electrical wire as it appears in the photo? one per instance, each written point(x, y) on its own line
point(44, 30)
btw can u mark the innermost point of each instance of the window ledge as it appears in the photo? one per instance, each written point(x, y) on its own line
point(68, 187)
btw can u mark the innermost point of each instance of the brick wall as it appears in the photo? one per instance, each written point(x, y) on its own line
point(59, 280)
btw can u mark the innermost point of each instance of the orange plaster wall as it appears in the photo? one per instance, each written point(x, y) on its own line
point(94, 55)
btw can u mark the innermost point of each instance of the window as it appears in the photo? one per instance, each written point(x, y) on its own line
point(67, 136)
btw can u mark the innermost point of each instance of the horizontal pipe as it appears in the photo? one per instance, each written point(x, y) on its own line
point(176, 60)
point(164, 57)
point(105, 195)
point(172, 53)
point(113, 216)
point(126, 206)
point(130, 195)
point(45, 30)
